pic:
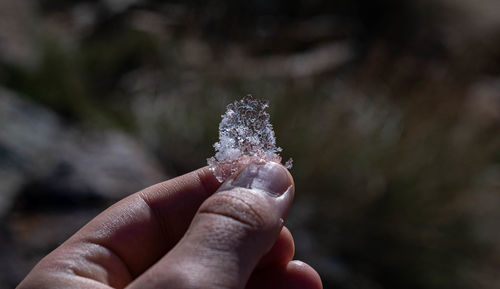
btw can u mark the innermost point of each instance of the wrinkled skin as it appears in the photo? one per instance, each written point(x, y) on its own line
point(188, 232)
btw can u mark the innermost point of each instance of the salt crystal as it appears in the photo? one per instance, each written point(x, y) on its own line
point(245, 136)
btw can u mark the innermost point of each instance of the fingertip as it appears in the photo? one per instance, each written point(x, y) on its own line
point(304, 275)
point(294, 275)
point(271, 177)
point(208, 179)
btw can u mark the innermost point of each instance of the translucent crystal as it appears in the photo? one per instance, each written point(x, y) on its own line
point(245, 136)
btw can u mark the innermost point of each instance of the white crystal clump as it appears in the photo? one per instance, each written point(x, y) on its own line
point(245, 136)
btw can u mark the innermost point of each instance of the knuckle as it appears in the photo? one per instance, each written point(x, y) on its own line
point(239, 206)
point(182, 277)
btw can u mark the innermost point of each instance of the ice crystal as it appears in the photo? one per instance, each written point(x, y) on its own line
point(245, 136)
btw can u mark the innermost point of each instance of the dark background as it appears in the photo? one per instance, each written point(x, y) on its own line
point(390, 110)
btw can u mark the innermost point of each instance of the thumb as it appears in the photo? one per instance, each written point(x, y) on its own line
point(230, 233)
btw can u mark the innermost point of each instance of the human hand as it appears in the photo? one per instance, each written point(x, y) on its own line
point(179, 234)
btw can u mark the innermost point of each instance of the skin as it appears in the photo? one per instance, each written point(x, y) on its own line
point(187, 232)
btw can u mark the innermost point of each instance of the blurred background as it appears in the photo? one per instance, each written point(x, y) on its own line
point(390, 110)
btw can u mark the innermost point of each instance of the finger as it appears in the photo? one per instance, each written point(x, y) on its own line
point(133, 234)
point(295, 275)
point(281, 253)
point(230, 233)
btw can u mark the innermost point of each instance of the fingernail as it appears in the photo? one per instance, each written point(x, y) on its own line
point(269, 177)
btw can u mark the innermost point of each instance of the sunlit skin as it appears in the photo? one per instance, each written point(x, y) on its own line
point(181, 234)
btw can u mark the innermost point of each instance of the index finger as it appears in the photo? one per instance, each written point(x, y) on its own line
point(137, 230)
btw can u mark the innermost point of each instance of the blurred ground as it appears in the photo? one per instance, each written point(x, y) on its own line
point(390, 110)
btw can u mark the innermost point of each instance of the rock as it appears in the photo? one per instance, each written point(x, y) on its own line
point(40, 155)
